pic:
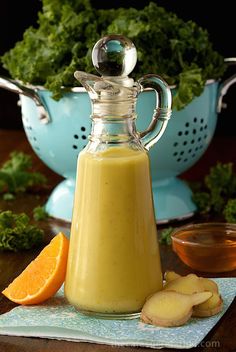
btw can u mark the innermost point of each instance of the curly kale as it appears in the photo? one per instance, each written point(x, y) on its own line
point(16, 232)
point(165, 236)
point(217, 194)
point(230, 211)
point(39, 213)
point(16, 175)
point(67, 30)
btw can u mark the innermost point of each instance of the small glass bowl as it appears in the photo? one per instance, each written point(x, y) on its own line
point(208, 247)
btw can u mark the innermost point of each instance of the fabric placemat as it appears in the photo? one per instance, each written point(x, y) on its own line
point(56, 319)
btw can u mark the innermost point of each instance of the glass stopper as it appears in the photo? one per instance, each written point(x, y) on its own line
point(114, 55)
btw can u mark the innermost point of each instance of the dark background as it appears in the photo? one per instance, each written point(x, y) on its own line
point(16, 16)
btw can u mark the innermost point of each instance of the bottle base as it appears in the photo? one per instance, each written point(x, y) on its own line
point(111, 316)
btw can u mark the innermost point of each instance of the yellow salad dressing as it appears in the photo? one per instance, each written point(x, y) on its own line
point(114, 262)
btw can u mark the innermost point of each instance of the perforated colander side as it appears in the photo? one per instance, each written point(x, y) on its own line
point(31, 135)
point(190, 140)
point(80, 138)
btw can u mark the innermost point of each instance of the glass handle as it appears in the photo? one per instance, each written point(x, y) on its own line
point(162, 112)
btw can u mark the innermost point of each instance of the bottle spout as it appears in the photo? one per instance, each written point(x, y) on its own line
point(106, 87)
point(96, 85)
point(108, 98)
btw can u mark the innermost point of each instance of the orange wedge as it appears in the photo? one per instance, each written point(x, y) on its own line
point(43, 277)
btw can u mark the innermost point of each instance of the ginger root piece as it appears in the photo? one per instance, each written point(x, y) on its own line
point(185, 284)
point(210, 307)
point(170, 308)
point(192, 283)
point(171, 275)
point(209, 285)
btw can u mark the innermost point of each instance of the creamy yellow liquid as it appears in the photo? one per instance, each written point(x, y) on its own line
point(114, 262)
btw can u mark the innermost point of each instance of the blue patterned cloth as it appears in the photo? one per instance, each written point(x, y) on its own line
point(56, 319)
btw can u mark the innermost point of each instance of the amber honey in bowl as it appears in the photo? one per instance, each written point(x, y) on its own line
point(209, 247)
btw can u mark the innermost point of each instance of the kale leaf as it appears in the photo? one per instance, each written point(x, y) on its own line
point(230, 211)
point(179, 51)
point(16, 232)
point(165, 236)
point(217, 194)
point(39, 213)
point(16, 175)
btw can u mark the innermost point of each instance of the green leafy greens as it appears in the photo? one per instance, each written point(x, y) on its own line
point(39, 213)
point(16, 232)
point(217, 194)
point(16, 175)
point(165, 236)
point(67, 30)
point(230, 211)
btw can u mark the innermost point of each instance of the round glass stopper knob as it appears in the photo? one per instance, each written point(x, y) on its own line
point(114, 55)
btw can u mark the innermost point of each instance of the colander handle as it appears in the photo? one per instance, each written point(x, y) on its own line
point(17, 87)
point(162, 112)
point(226, 84)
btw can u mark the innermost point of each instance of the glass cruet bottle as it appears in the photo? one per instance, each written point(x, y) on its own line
point(114, 261)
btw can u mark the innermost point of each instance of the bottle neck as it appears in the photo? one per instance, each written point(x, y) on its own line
point(113, 130)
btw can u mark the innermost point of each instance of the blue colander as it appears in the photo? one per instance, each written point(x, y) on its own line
point(58, 131)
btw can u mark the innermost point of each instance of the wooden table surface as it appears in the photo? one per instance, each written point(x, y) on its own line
point(221, 337)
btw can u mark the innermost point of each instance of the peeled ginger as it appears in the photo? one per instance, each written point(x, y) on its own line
point(192, 283)
point(170, 308)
